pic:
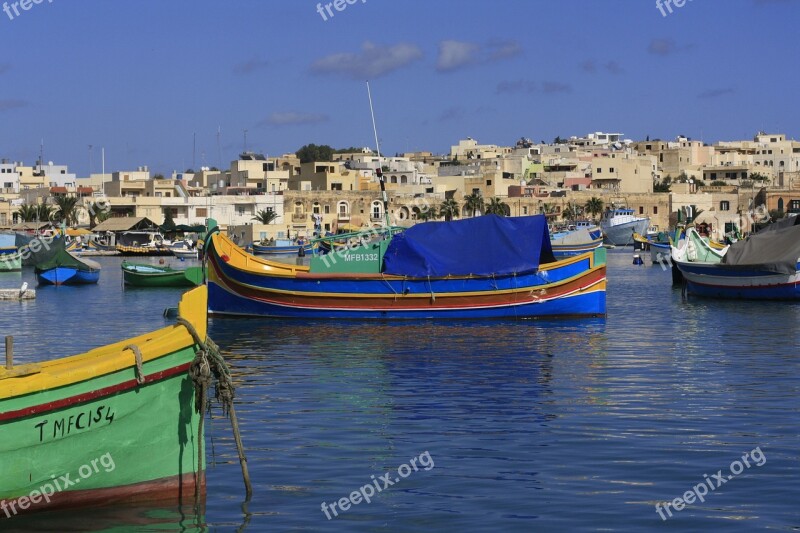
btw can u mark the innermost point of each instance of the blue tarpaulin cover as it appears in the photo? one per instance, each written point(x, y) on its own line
point(481, 246)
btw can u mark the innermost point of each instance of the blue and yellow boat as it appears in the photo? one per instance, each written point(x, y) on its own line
point(484, 267)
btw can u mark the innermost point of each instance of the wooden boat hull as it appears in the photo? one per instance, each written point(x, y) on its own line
point(84, 431)
point(242, 284)
point(718, 281)
point(67, 276)
point(143, 251)
point(153, 276)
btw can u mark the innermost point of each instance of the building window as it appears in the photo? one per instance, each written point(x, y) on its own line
point(655, 209)
point(794, 206)
point(488, 182)
point(611, 170)
point(377, 209)
point(315, 208)
point(524, 209)
point(724, 205)
point(327, 210)
point(641, 210)
point(201, 212)
point(599, 170)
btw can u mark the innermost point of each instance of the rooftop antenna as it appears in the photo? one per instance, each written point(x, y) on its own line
point(219, 147)
point(245, 141)
point(194, 151)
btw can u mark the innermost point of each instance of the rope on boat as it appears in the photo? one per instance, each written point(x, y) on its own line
point(137, 353)
point(206, 363)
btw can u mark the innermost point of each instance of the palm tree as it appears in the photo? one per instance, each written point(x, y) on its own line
point(569, 213)
point(428, 213)
point(473, 203)
point(98, 212)
point(44, 213)
point(265, 216)
point(28, 213)
point(66, 210)
point(496, 206)
point(594, 206)
point(449, 209)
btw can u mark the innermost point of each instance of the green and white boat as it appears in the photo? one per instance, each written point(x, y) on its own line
point(141, 275)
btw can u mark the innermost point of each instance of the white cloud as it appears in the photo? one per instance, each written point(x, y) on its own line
point(372, 62)
point(292, 118)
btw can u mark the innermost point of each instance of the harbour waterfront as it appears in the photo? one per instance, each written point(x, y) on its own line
point(531, 425)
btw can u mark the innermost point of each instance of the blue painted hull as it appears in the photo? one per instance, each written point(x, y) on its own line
point(715, 281)
point(589, 304)
point(67, 276)
point(241, 285)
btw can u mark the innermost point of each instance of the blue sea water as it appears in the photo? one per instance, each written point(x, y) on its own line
point(514, 426)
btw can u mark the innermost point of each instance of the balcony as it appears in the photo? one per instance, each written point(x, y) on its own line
point(343, 217)
point(299, 217)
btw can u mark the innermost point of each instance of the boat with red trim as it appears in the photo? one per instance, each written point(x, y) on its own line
point(482, 267)
point(117, 423)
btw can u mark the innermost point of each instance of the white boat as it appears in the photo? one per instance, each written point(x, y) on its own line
point(183, 250)
point(620, 224)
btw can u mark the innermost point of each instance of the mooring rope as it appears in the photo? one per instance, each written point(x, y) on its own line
point(137, 353)
point(209, 361)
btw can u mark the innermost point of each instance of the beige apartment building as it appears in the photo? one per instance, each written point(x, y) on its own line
point(623, 172)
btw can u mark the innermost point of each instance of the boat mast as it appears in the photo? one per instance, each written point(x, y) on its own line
point(379, 170)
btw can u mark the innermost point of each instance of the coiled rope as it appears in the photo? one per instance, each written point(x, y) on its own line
point(208, 362)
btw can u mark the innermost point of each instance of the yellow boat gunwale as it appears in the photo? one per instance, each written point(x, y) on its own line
point(113, 357)
point(239, 259)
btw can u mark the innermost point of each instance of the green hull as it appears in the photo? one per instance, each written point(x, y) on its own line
point(10, 262)
point(112, 437)
point(155, 276)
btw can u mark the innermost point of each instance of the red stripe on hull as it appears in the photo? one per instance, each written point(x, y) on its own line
point(93, 395)
point(444, 300)
point(179, 489)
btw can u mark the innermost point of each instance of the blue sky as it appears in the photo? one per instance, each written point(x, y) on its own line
point(143, 77)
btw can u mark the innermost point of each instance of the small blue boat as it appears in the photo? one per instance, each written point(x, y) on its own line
point(577, 241)
point(54, 265)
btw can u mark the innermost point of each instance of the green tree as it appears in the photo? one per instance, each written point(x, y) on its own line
point(169, 222)
point(559, 140)
point(473, 203)
point(66, 210)
point(98, 212)
point(28, 213)
point(496, 206)
point(569, 213)
point(311, 152)
point(427, 213)
point(265, 216)
point(449, 209)
point(663, 185)
point(594, 206)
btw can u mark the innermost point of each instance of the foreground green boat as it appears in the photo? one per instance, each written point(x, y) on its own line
point(140, 275)
point(117, 423)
